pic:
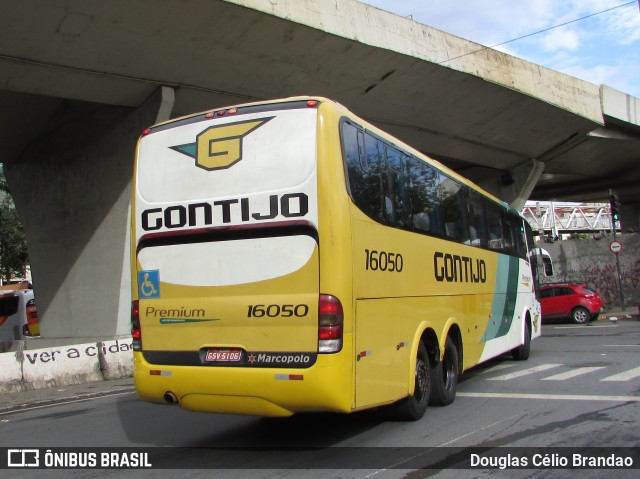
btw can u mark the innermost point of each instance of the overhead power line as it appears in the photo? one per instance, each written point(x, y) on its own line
point(545, 30)
point(564, 24)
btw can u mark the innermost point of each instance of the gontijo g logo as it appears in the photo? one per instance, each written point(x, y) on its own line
point(220, 146)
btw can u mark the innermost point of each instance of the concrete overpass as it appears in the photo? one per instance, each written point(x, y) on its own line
point(80, 79)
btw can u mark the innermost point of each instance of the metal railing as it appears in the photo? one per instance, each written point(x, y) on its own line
point(557, 218)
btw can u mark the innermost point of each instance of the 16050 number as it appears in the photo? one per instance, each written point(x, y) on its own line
point(383, 261)
point(277, 310)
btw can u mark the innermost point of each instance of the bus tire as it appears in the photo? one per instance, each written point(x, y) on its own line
point(521, 353)
point(445, 375)
point(413, 407)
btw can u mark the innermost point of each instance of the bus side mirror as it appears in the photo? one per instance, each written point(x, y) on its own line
point(547, 264)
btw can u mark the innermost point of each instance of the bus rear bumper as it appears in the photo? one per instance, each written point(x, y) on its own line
point(217, 403)
point(273, 392)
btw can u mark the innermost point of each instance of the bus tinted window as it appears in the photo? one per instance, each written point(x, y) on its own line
point(507, 233)
point(477, 226)
point(514, 235)
point(352, 154)
point(520, 237)
point(426, 214)
point(454, 208)
point(400, 190)
point(395, 188)
point(492, 215)
point(363, 167)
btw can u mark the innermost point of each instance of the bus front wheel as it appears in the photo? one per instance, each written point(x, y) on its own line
point(445, 376)
point(521, 353)
point(413, 407)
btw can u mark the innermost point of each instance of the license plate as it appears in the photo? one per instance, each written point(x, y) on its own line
point(223, 356)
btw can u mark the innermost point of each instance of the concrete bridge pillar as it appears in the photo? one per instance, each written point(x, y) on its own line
point(515, 186)
point(630, 216)
point(72, 188)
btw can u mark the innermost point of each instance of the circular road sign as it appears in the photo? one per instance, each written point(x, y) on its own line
point(615, 246)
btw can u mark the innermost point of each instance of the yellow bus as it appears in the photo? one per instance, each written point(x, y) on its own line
point(287, 257)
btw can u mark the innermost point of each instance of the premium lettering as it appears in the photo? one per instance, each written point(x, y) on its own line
point(291, 205)
point(453, 268)
point(182, 312)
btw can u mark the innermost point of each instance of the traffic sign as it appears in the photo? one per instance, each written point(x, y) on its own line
point(615, 246)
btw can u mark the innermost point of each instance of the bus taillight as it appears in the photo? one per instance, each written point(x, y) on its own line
point(330, 319)
point(136, 332)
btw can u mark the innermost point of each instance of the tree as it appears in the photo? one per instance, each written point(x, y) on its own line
point(13, 242)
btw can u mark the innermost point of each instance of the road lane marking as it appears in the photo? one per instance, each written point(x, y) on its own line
point(573, 373)
point(624, 376)
point(498, 367)
point(561, 397)
point(582, 326)
point(524, 372)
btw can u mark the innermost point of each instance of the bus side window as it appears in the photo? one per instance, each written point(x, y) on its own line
point(520, 235)
point(395, 188)
point(494, 226)
point(454, 207)
point(373, 199)
point(362, 158)
point(513, 233)
point(507, 234)
point(477, 226)
point(426, 214)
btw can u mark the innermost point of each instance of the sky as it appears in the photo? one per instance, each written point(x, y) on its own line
point(601, 49)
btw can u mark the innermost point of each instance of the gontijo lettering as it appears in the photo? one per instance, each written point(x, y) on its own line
point(291, 205)
point(453, 268)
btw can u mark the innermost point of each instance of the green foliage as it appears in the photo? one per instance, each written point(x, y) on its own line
point(580, 236)
point(13, 242)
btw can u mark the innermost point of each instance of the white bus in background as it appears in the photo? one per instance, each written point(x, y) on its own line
point(18, 314)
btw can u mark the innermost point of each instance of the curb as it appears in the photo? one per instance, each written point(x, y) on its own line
point(39, 398)
point(620, 316)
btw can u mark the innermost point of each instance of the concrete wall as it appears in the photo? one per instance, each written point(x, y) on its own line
point(591, 261)
point(72, 187)
point(65, 365)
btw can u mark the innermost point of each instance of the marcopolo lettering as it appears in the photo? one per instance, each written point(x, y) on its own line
point(281, 360)
point(284, 358)
point(453, 268)
point(291, 205)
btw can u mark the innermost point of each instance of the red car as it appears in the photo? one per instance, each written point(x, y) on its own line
point(576, 301)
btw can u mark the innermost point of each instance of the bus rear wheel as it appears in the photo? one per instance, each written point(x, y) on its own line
point(445, 376)
point(413, 407)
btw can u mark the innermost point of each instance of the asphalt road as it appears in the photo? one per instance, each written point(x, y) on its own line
point(580, 389)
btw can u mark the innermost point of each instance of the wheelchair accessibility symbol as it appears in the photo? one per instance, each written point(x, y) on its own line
point(149, 284)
